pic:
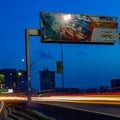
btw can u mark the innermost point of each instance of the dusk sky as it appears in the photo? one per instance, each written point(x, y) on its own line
point(85, 65)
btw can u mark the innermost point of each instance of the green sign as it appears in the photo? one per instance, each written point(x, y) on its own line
point(3, 90)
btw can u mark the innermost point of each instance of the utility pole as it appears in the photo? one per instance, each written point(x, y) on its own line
point(62, 67)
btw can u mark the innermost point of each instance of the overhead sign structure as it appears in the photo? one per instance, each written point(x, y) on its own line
point(76, 28)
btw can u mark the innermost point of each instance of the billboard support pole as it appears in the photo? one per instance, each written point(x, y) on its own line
point(62, 68)
point(29, 32)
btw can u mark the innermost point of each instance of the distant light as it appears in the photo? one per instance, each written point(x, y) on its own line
point(10, 90)
point(67, 17)
point(10, 73)
point(23, 60)
point(19, 73)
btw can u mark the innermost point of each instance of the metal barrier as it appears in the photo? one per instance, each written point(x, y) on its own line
point(1, 110)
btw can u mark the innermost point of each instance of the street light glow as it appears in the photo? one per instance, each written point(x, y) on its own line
point(23, 60)
point(19, 73)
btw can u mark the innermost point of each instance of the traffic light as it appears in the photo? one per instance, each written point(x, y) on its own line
point(59, 67)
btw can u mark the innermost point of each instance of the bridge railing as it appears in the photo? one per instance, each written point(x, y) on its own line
point(1, 110)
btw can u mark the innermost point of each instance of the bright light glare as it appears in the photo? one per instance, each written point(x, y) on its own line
point(12, 98)
point(67, 17)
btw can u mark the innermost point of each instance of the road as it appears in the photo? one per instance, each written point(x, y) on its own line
point(110, 110)
point(102, 104)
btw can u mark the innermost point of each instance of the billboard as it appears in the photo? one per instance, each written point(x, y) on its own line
point(77, 28)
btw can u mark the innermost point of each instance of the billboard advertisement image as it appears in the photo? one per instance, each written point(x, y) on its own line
point(76, 28)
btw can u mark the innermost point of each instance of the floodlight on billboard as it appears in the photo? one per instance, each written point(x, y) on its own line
point(77, 28)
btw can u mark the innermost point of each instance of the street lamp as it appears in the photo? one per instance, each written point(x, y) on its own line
point(28, 33)
point(23, 60)
point(19, 73)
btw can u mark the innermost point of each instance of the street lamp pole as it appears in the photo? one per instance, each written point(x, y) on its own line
point(29, 32)
point(32, 64)
point(28, 63)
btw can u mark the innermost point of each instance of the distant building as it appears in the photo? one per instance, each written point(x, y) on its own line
point(13, 79)
point(115, 83)
point(8, 78)
point(47, 79)
point(21, 83)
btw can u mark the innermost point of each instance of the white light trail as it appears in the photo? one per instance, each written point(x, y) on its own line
point(79, 98)
point(111, 99)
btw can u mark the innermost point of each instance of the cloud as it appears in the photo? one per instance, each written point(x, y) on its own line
point(45, 55)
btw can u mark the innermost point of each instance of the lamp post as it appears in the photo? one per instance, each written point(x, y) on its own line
point(28, 33)
point(22, 62)
point(33, 64)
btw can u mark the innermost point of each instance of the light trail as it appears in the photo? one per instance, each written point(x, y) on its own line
point(88, 103)
point(96, 99)
point(12, 98)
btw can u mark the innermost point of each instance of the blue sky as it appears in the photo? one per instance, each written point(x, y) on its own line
point(84, 65)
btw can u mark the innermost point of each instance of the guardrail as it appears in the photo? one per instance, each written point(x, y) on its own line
point(18, 112)
point(60, 112)
point(1, 110)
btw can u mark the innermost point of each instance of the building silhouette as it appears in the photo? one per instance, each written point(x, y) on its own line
point(8, 78)
point(21, 83)
point(47, 79)
point(115, 83)
point(14, 79)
